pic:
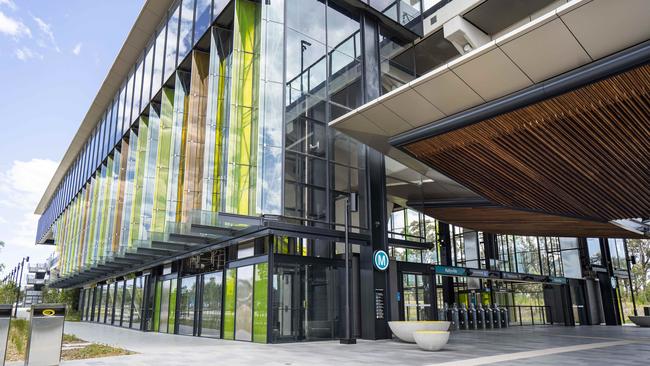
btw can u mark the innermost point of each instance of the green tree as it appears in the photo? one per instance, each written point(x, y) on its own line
point(640, 249)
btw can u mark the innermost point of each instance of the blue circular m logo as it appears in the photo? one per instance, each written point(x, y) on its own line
point(380, 260)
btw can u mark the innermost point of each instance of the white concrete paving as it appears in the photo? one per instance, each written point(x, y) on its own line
point(593, 345)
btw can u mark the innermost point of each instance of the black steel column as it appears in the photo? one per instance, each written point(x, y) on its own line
point(446, 259)
point(374, 284)
point(608, 292)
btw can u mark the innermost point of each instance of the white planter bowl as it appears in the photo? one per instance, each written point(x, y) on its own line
point(431, 340)
point(642, 321)
point(404, 329)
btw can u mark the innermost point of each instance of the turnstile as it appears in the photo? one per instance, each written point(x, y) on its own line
point(5, 324)
point(45, 335)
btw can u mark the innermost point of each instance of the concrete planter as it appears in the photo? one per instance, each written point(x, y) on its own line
point(431, 340)
point(642, 321)
point(404, 329)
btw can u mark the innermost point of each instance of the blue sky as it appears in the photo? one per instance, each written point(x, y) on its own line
point(54, 55)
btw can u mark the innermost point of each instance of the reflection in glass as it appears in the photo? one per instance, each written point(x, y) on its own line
point(244, 315)
point(211, 306)
point(138, 302)
point(593, 247)
point(187, 306)
point(306, 303)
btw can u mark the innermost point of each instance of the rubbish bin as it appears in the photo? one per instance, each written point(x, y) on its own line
point(5, 324)
point(646, 310)
point(45, 335)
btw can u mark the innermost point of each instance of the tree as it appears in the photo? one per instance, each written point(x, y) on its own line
point(640, 249)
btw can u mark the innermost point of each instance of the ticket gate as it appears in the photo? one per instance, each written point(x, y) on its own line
point(45, 335)
point(5, 324)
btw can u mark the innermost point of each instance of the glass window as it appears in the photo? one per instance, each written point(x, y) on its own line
point(146, 77)
point(595, 256)
point(397, 62)
point(187, 306)
point(244, 309)
point(386, 7)
point(186, 31)
point(158, 62)
point(202, 21)
point(119, 303)
point(172, 44)
point(138, 302)
point(110, 302)
point(137, 91)
point(211, 305)
point(128, 303)
point(260, 307)
point(296, 285)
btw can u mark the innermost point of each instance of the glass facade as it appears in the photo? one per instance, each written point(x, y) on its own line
point(225, 114)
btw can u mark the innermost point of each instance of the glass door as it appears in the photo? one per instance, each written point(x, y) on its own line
point(186, 306)
point(211, 304)
point(416, 289)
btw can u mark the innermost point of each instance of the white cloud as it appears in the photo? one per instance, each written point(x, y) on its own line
point(77, 49)
point(9, 3)
point(47, 30)
point(13, 27)
point(24, 183)
point(21, 188)
point(25, 53)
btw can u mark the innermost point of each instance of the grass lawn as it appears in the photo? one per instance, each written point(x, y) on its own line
point(18, 343)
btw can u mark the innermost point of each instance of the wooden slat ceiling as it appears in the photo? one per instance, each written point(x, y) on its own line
point(499, 220)
point(585, 153)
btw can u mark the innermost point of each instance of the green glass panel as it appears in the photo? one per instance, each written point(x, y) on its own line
point(243, 129)
point(217, 115)
point(158, 218)
point(140, 164)
point(229, 304)
point(156, 307)
point(172, 307)
point(150, 170)
point(178, 141)
point(260, 302)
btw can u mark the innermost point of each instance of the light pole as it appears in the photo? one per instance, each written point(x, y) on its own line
point(350, 205)
point(20, 281)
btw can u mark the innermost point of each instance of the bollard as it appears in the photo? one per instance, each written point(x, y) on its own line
point(45, 335)
point(5, 325)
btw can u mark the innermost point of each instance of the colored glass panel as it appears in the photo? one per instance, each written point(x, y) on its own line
point(229, 304)
point(162, 165)
point(260, 305)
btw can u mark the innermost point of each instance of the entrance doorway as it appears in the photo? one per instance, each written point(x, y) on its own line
point(417, 290)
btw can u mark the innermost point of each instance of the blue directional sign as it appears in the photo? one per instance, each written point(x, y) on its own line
point(380, 260)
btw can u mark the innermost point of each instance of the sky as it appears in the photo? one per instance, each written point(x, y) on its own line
point(54, 55)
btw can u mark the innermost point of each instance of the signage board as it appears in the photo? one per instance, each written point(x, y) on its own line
point(483, 273)
point(379, 303)
point(450, 271)
point(380, 260)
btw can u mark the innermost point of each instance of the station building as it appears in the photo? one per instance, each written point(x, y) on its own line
point(496, 150)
